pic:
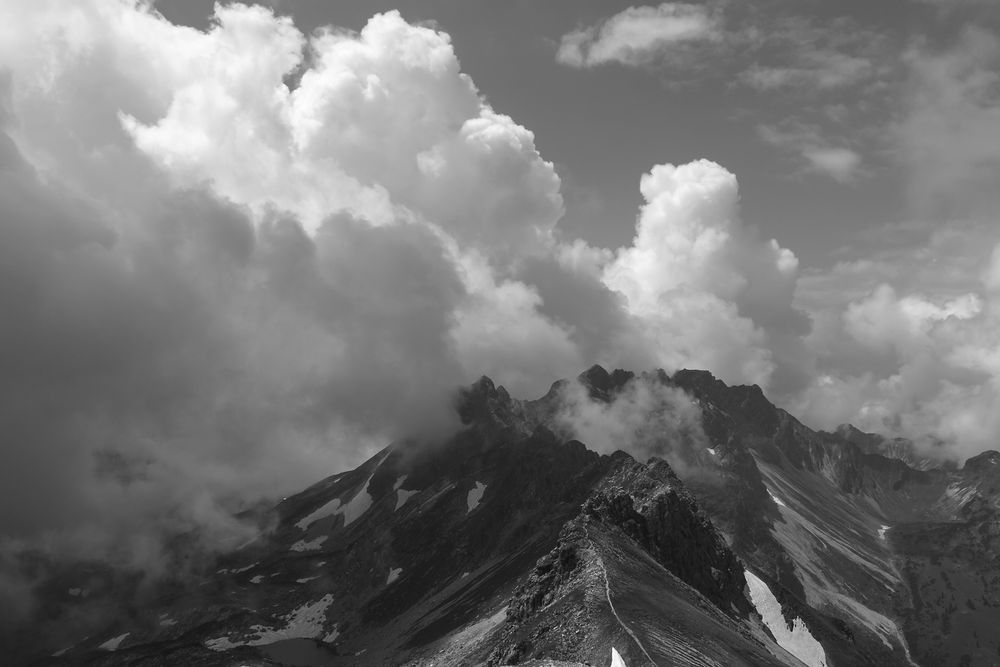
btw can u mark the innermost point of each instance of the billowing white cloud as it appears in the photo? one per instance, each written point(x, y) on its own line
point(705, 289)
point(221, 285)
point(639, 35)
point(884, 321)
point(382, 123)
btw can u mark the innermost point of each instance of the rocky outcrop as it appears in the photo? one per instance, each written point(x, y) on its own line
point(647, 502)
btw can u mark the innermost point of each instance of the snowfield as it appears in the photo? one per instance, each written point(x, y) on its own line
point(798, 640)
point(475, 495)
point(356, 507)
point(329, 509)
point(306, 622)
point(402, 495)
point(113, 643)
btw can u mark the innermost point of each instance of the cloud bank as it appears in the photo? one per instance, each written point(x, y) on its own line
point(238, 259)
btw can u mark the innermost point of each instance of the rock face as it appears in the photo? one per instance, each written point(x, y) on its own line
point(512, 543)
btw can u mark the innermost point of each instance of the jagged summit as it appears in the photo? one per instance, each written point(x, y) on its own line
point(601, 384)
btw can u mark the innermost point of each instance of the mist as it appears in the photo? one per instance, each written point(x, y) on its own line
point(646, 418)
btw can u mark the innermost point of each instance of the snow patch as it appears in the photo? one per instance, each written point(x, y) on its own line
point(475, 495)
point(167, 622)
point(78, 592)
point(306, 622)
point(236, 570)
point(881, 532)
point(256, 580)
point(113, 643)
point(325, 510)
point(711, 450)
point(311, 545)
point(247, 543)
point(402, 495)
point(304, 580)
point(797, 640)
point(357, 506)
point(394, 573)
point(776, 499)
point(616, 659)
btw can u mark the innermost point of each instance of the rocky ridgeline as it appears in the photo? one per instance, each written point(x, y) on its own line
point(509, 543)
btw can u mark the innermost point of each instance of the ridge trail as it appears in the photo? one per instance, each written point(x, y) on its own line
point(607, 593)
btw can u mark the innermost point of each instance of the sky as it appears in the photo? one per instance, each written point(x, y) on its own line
point(244, 246)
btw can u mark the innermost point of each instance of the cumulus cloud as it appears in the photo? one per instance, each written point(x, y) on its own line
point(911, 365)
point(640, 35)
point(382, 123)
point(218, 286)
point(707, 290)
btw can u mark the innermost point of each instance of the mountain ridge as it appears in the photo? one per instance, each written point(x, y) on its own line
point(511, 542)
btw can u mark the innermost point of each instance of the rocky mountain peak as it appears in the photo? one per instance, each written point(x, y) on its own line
point(484, 402)
point(601, 384)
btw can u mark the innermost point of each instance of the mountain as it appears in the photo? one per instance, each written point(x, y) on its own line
point(752, 541)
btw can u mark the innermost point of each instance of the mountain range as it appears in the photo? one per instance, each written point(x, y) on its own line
point(746, 538)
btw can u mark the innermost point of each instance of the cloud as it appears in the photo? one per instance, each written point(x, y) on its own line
point(640, 35)
point(645, 418)
point(840, 164)
point(382, 123)
point(905, 329)
point(707, 291)
point(219, 286)
point(811, 69)
point(814, 153)
point(945, 136)
point(884, 321)
point(917, 364)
